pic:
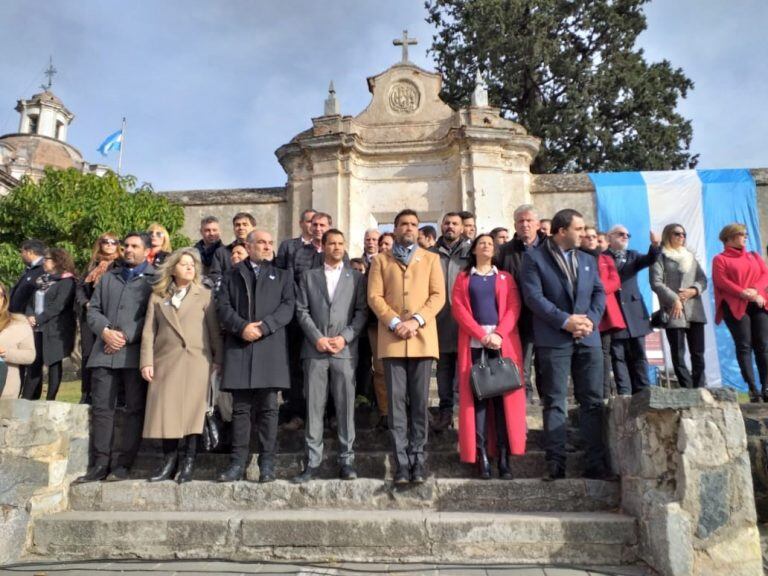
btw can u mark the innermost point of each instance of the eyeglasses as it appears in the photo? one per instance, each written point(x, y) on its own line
point(624, 234)
point(110, 241)
point(157, 233)
point(742, 234)
point(680, 234)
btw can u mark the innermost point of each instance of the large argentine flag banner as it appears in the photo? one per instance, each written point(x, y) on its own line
point(703, 201)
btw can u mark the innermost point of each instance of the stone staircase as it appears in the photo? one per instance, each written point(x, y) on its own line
point(453, 517)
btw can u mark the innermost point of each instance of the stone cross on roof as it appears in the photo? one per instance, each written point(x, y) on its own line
point(50, 72)
point(405, 42)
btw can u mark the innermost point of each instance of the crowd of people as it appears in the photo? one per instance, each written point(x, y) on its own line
point(308, 325)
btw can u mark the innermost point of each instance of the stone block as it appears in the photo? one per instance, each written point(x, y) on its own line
point(14, 521)
point(736, 553)
point(742, 495)
point(654, 399)
point(78, 457)
point(20, 477)
point(14, 409)
point(734, 430)
point(669, 538)
point(207, 495)
point(702, 443)
point(48, 502)
point(86, 496)
point(714, 505)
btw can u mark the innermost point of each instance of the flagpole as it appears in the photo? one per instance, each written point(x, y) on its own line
point(122, 145)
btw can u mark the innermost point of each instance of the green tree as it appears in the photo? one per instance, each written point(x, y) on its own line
point(70, 210)
point(569, 72)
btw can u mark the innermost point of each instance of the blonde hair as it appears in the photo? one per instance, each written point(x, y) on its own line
point(731, 230)
point(155, 227)
point(5, 316)
point(165, 270)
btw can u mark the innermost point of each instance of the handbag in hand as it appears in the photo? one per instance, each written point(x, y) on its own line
point(659, 318)
point(494, 377)
point(212, 424)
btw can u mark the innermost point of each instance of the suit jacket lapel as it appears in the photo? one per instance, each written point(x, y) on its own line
point(345, 280)
point(563, 279)
point(171, 315)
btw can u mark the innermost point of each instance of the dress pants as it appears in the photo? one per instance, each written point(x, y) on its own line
point(750, 333)
point(340, 374)
point(585, 366)
point(408, 389)
point(104, 390)
point(294, 404)
point(379, 385)
point(695, 336)
point(482, 410)
point(264, 401)
point(446, 380)
point(363, 367)
point(605, 341)
point(530, 365)
point(630, 366)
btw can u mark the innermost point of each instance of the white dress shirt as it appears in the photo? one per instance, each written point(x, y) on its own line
point(332, 275)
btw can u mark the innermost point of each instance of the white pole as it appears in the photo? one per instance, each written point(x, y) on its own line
point(122, 146)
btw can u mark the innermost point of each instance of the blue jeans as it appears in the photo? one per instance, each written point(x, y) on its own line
point(585, 365)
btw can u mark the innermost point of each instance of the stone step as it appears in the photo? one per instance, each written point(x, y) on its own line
point(447, 495)
point(378, 465)
point(595, 538)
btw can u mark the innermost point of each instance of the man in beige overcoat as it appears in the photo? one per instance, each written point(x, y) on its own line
point(406, 290)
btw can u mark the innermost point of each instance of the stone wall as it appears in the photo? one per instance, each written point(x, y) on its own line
point(685, 474)
point(43, 447)
point(268, 206)
point(756, 423)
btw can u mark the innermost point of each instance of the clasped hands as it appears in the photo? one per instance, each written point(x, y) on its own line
point(114, 340)
point(683, 295)
point(407, 328)
point(753, 295)
point(579, 325)
point(330, 345)
point(491, 341)
point(252, 332)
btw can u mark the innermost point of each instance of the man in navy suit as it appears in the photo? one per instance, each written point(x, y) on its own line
point(630, 366)
point(561, 287)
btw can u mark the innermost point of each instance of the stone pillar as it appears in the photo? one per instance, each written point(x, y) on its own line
point(685, 474)
point(43, 447)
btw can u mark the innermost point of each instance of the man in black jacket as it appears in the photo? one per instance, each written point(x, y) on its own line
point(527, 236)
point(210, 241)
point(453, 249)
point(630, 366)
point(242, 225)
point(255, 303)
point(288, 248)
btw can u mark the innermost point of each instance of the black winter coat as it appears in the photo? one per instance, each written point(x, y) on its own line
point(57, 321)
point(630, 299)
point(263, 363)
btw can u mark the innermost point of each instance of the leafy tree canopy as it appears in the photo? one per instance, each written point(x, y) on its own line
point(71, 210)
point(569, 72)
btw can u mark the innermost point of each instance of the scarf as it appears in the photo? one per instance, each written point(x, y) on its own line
point(619, 256)
point(177, 295)
point(403, 254)
point(99, 266)
point(129, 274)
point(45, 281)
point(682, 256)
point(569, 269)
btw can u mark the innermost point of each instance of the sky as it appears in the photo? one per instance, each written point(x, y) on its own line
point(211, 89)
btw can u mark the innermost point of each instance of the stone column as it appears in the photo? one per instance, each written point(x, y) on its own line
point(43, 447)
point(685, 474)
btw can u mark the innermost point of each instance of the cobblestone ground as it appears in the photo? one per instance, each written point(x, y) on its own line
point(187, 568)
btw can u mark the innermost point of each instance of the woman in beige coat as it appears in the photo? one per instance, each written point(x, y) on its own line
point(180, 347)
point(17, 346)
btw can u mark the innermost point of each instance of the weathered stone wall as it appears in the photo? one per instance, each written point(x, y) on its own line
point(684, 466)
point(43, 447)
point(268, 206)
point(756, 424)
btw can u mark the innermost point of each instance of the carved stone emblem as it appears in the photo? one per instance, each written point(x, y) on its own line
point(404, 98)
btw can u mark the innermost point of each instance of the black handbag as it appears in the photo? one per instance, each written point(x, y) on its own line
point(213, 424)
point(494, 377)
point(659, 318)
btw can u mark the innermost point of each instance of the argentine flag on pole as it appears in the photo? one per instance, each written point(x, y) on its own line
point(113, 142)
point(703, 201)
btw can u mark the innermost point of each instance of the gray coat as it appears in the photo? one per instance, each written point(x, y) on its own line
point(122, 306)
point(453, 261)
point(667, 279)
point(318, 316)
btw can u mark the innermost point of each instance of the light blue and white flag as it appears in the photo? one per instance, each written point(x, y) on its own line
point(113, 142)
point(703, 201)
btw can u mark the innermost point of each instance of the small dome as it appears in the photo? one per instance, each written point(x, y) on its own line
point(48, 97)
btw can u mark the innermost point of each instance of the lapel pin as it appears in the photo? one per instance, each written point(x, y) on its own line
point(586, 268)
point(271, 276)
point(502, 276)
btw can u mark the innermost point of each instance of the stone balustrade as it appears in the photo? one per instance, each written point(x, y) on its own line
point(685, 470)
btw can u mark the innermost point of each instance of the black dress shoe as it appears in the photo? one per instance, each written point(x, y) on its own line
point(95, 474)
point(266, 471)
point(600, 473)
point(402, 477)
point(443, 421)
point(118, 474)
point(483, 465)
point(233, 473)
point(555, 471)
point(308, 474)
point(505, 472)
point(167, 469)
point(186, 469)
point(348, 472)
point(418, 474)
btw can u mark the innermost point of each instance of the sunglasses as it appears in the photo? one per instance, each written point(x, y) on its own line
point(157, 233)
point(110, 241)
point(624, 234)
point(680, 234)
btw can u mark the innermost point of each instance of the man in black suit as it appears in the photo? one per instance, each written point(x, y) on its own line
point(561, 285)
point(24, 289)
point(630, 366)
